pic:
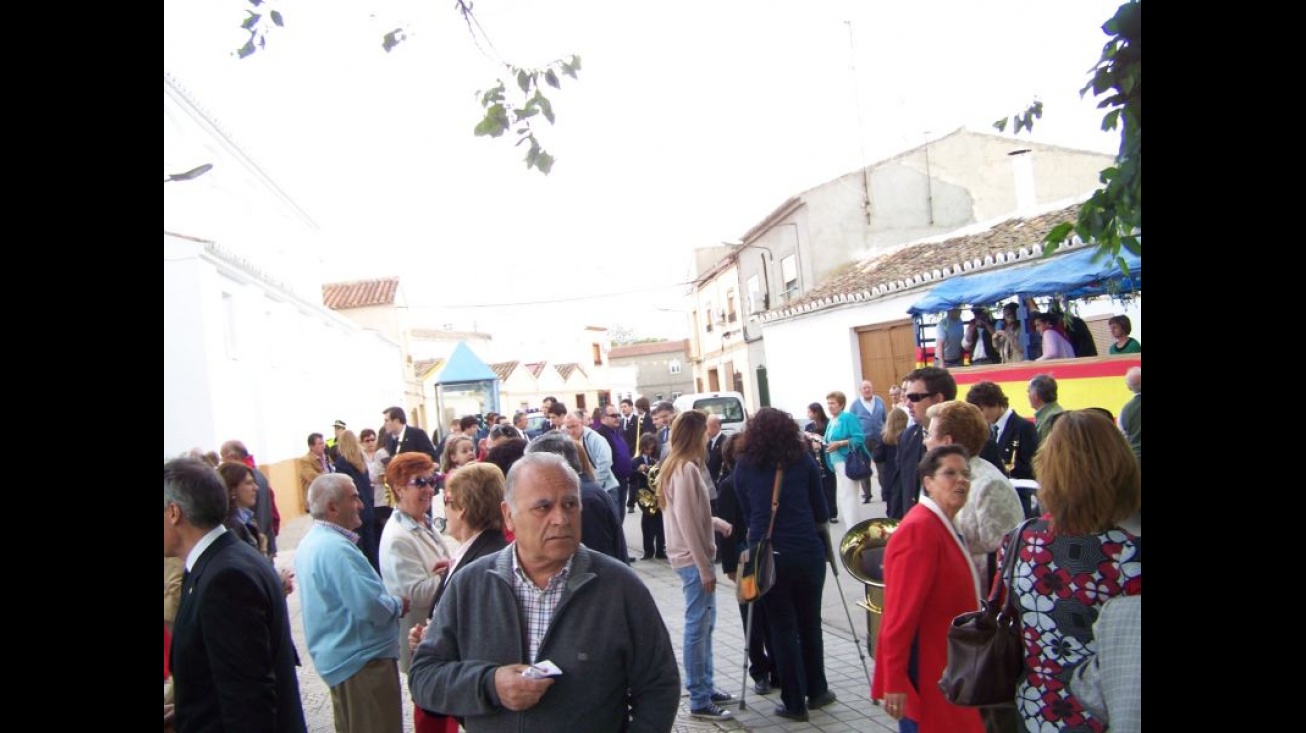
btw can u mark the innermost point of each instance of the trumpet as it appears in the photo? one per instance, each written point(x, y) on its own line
point(1011, 460)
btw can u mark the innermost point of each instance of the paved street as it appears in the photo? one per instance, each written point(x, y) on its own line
point(853, 712)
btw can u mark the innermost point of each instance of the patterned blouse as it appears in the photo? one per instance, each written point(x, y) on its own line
point(1061, 582)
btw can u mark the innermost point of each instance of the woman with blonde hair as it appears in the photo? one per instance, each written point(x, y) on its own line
point(1072, 561)
point(683, 494)
point(993, 508)
point(885, 456)
point(351, 462)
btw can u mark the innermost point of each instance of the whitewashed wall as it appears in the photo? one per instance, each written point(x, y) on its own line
point(246, 360)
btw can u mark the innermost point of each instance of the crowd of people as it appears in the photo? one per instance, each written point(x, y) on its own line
point(547, 627)
point(1050, 334)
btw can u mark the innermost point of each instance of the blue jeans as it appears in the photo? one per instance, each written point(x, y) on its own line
point(700, 618)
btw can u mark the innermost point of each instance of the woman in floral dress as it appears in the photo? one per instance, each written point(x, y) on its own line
point(1072, 561)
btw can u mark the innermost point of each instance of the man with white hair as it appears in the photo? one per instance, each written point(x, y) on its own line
point(1131, 415)
point(350, 622)
point(547, 634)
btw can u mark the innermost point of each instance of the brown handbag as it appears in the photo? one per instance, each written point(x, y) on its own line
point(985, 652)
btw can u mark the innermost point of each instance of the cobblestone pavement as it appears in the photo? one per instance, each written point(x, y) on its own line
point(854, 710)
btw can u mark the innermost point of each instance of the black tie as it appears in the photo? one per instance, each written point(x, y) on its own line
point(993, 429)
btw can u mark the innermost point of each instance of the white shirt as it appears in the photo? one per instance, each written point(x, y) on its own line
point(194, 555)
point(1001, 424)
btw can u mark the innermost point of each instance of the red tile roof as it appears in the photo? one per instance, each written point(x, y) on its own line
point(360, 293)
point(504, 369)
point(566, 369)
point(908, 266)
point(656, 347)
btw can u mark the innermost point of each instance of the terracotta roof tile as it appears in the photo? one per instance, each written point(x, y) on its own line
point(535, 368)
point(566, 369)
point(994, 244)
point(504, 369)
point(657, 347)
point(422, 366)
point(360, 293)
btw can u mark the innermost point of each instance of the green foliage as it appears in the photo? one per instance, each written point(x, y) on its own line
point(1024, 120)
point(1113, 216)
point(527, 103)
point(501, 113)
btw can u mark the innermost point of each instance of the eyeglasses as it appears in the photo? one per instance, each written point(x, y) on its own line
point(612, 414)
point(422, 481)
point(953, 474)
point(370, 440)
point(917, 396)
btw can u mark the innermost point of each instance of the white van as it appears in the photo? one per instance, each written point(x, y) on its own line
point(729, 405)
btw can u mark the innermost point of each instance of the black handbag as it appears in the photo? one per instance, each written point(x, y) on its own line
point(857, 465)
point(985, 652)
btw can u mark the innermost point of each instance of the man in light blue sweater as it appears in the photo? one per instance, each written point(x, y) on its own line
point(350, 622)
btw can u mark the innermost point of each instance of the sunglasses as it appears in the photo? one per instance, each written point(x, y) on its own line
point(422, 481)
point(917, 396)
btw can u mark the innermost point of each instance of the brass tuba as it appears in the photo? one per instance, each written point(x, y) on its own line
point(862, 552)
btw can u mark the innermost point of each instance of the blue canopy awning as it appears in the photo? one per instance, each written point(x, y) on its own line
point(1073, 275)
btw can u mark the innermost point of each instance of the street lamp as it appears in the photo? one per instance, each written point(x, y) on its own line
point(191, 174)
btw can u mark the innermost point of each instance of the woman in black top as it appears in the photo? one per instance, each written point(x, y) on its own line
point(817, 422)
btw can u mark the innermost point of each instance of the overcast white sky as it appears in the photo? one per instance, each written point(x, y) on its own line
point(690, 122)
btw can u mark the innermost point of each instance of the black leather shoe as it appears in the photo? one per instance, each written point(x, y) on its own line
point(785, 712)
point(761, 686)
point(821, 701)
point(866, 500)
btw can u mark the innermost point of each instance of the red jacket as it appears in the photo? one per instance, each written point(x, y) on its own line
point(928, 581)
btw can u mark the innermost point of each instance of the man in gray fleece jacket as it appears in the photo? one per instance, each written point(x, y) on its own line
point(546, 597)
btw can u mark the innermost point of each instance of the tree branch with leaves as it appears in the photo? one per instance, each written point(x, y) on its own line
point(517, 110)
point(1113, 216)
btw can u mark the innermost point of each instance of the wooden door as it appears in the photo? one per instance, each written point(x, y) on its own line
point(888, 353)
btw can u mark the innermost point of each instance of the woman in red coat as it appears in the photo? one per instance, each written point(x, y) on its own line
point(928, 580)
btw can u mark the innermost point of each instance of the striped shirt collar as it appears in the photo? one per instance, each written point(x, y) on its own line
point(537, 606)
point(349, 535)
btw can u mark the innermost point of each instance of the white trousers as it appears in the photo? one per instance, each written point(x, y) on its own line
point(848, 497)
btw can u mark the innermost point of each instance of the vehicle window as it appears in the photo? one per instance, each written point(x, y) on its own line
point(727, 407)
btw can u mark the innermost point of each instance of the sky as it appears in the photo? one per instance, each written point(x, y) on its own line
point(689, 123)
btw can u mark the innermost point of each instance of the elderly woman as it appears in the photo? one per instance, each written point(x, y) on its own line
point(774, 448)
point(993, 508)
point(472, 501)
point(843, 433)
point(928, 581)
point(1072, 561)
point(414, 556)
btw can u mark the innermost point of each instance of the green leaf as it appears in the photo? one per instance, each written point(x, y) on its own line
point(1001, 125)
point(247, 49)
point(552, 79)
point(256, 3)
point(494, 123)
point(523, 81)
point(544, 162)
point(492, 95)
point(1060, 232)
point(251, 21)
point(545, 106)
point(275, 15)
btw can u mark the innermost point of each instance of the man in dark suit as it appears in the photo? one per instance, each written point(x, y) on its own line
point(1017, 438)
point(715, 439)
point(232, 658)
point(402, 439)
point(925, 386)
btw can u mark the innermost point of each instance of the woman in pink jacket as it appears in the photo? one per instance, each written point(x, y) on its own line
point(684, 495)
